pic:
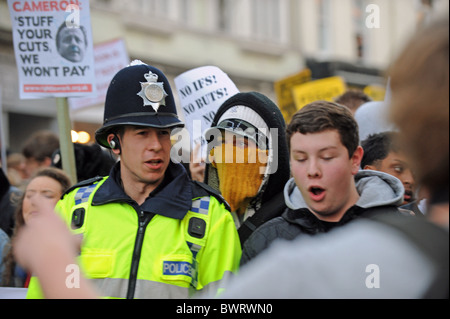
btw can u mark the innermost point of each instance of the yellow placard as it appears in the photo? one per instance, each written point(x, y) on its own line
point(283, 90)
point(375, 92)
point(325, 89)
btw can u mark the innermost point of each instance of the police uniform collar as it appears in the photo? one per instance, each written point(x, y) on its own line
point(173, 198)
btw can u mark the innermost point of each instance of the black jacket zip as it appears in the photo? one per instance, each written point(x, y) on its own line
point(144, 220)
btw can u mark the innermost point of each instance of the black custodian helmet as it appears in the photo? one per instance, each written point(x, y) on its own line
point(138, 95)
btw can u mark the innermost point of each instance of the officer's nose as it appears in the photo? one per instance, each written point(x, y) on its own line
point(154, 144)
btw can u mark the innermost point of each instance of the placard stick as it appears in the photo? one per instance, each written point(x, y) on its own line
point(65, 139)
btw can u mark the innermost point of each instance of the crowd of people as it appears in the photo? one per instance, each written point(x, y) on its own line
point(279, 210)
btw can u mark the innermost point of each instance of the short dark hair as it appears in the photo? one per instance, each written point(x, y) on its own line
point(321, 116)
point(353, 99)
point(40, 145)
point(378, 146)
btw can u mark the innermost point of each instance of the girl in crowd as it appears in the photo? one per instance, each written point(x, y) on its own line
point(43, 190)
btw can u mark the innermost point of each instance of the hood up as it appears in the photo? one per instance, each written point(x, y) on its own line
point(277, 173)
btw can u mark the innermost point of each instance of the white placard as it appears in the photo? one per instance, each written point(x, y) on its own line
point(201, 92)
point(110, 57)
point(53, 48)
point(13, 293)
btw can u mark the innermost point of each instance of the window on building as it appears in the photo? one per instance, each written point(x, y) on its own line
point(269, 20)
point(151, 8)
point(324, 24)
point(224, 8)
point(184, 11)
point(155, 7)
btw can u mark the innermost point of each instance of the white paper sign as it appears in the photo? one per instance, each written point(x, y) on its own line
point(53, 48)
point(110, 57)
point(13, 293)
point(202, 91)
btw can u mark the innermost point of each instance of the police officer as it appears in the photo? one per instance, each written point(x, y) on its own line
point(149, 231)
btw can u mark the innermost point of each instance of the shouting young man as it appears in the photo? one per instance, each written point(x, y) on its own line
point(327, 189)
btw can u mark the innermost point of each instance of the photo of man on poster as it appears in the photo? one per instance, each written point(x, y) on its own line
point(71, 42)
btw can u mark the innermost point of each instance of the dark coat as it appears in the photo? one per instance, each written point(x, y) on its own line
point(7, 207)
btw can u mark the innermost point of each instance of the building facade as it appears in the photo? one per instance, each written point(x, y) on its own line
point(256, 42)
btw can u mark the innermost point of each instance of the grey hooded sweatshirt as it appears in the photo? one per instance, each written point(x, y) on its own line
point(379, 193)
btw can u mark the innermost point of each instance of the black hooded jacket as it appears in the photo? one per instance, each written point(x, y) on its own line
point(7, 207)
point(270, 202)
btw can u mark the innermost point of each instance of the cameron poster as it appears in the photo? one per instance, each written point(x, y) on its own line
point(53, 48)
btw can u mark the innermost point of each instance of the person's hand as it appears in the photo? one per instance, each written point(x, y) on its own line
point(197, 165)
point(45, 233)
point(46, 247)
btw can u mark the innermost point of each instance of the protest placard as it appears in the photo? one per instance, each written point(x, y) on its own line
point(283, 90)
point(53, 47)
point(375, 92)
point(324, 89)
point(110, 57)
point(202, 91)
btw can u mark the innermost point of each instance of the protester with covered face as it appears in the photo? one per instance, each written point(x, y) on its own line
point(249, 162)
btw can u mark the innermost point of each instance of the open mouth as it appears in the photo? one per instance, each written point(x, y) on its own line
point(409, 196)
point(155, 164)
point(317, 193)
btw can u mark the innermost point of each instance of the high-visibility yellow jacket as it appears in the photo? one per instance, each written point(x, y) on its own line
point(180, 241)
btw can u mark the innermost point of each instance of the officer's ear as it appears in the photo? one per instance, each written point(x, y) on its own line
point(114, 143)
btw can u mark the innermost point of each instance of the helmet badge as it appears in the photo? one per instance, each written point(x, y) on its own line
point(153, 92)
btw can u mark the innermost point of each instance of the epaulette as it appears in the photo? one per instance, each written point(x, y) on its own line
point(83, 184)
point(202, 189)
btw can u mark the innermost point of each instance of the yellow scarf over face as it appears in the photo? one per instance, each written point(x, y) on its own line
point(239, 171)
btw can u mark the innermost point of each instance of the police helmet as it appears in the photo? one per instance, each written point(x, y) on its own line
point(138, 95)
